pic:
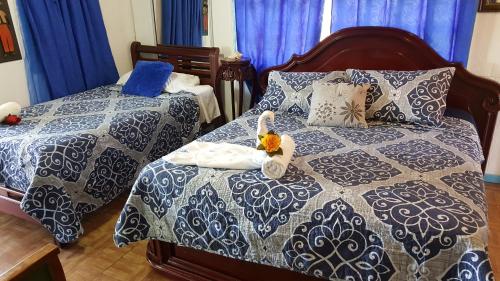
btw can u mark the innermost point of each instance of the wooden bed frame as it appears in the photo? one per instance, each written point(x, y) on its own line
point(375, 48)
point(200, 61)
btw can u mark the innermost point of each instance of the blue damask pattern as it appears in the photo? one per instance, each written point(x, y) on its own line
point(428, 99)
point(473, 266)
point(134, 129)
point(23, 128)
point(63, 157)
point(186, 111)
point(421, 155)
point(464, 144)
point(169, 140)
point(206, 224)
point(401, 78)
point(405, 96)
point(469, 184)
point(97, 93)
point(371, 135)
point(82, 107)
point(340, 212)
point(225, 133)
point(131, 223)
point(336, 244)
point(52, 206)
point(390, 113)
point(374, 92)
point(273, 98)
point(35, 110)
point(423, 218)
point(315, 142)
point(160, 183)
point(281, 124)
point(134, 103)
point(73, 124)
point(65, 147)
point(353, 168)
point(12, 173)
point(291, 91)
point(269, 203)
point(112, 173)
point(83, 208)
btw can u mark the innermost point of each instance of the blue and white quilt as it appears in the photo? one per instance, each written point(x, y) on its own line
point(72, 155)
point(391, 202)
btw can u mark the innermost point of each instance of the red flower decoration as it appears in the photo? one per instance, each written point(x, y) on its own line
point(12, 120)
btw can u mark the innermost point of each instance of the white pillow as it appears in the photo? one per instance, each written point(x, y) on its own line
point(181, 81)
point(175, 83)
point(124, 78)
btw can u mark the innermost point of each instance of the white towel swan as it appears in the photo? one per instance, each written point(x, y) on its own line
point(262, 124)
point(275, 167)
point(12, 108)
point(237, 157)
point(218, 155)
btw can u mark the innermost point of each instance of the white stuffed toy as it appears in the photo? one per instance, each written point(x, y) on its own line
point(10, 108)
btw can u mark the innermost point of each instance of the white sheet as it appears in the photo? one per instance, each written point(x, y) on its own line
point(209, 108)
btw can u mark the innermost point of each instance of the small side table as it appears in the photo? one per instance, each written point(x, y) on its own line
point(237, 70)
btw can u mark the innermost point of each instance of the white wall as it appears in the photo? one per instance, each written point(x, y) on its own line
point(12, 75)
point(119, 21)
point(484, 60)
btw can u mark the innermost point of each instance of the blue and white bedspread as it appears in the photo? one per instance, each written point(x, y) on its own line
point(391, 202)
point(72, 155)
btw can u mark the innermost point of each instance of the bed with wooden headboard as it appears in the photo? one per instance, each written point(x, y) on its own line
point(199, 61)
point(364, 48)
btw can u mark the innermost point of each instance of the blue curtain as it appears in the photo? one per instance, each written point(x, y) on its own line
point(446, 25)
point(270, 32)
point(67, 48)
point(182, 22)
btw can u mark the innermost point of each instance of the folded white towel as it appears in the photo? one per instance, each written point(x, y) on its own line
point(262, 123)
point(217, 155)
point(12, 108)
point(275, 167)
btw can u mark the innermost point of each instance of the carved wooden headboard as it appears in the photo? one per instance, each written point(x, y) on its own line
point(384, 48)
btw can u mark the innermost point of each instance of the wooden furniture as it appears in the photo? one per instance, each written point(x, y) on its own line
point(489, 6)
point(200, 61)
point(203, 62)
point(237, 70)
point(364, 48)
point(43, 265)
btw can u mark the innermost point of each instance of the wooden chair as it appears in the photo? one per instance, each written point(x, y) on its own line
point(43, 265)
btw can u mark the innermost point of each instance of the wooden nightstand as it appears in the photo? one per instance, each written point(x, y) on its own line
point(238, 70)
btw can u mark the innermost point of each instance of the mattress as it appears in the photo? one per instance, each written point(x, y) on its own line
point(391, 202)
point(73, 155)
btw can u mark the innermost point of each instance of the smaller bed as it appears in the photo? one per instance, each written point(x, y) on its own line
point(391, 202)
point(70, 156)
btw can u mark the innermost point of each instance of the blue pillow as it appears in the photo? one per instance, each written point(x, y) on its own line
point(148, 78)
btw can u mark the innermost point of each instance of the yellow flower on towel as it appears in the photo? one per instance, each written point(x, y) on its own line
point(270, 142)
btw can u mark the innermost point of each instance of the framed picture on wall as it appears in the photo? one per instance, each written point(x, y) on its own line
point(9, 48)
point(489, 6)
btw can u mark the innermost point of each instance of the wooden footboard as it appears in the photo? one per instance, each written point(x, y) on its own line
point(181, 263)
point(10, 201)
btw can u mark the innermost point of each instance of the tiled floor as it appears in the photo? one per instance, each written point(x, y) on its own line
point(95, 257)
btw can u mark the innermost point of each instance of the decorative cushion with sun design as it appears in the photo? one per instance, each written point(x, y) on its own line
point(291, 91)
point(405, 96)
point(338, 104)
